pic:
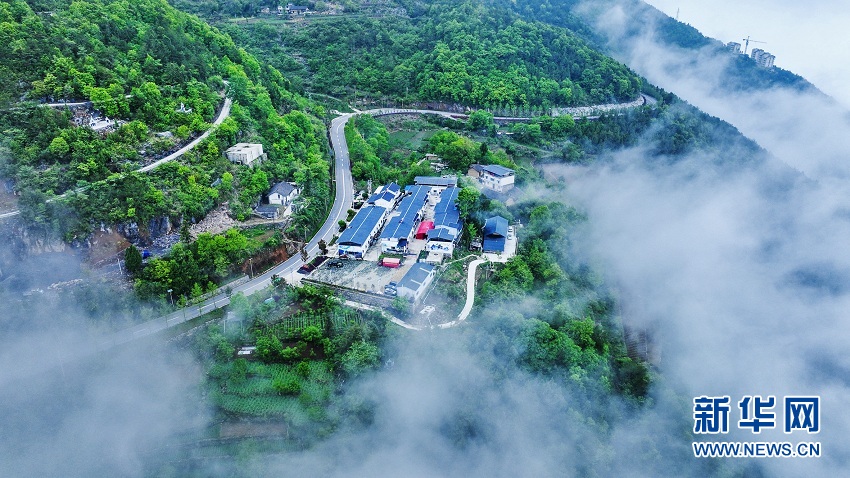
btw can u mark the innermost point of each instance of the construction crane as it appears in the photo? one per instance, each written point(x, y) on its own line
point(747, 42)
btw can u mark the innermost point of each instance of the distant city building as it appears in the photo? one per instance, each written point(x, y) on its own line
point(415, 283)
point(734, 47)
point(762, 58)
point(245, 153)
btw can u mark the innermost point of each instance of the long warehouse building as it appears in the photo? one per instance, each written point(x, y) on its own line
point(447, 224)
point(400, 229)
point(362, 232)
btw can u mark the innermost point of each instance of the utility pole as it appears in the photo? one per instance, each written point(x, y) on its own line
point(251, 262)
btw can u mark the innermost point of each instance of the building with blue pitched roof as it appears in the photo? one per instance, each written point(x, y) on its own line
point(362, 232)
point(415, 283)
point(385, 196)
point(447, 224)
point(495, 234)
point(400, 229)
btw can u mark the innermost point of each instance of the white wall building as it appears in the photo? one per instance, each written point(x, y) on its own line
point(415, 283)
point(385, 196)
point(762, 58)
point(283, 193)
point(245, 153)
point(493, 176)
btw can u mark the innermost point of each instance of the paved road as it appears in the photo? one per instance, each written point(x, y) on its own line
point(342, 202)
point(222, 115)
point(470, 295)
point(225, 112)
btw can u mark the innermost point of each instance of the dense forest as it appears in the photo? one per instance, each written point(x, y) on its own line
point(456, 52)
point(155, 70)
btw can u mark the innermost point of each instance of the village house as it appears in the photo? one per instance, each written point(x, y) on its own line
point(356, 239)
point(445, 230)
point(385, 196)
point(438, 184)
point(495, 234)
point(292, 9)
point(282, 193)
point(401, 228)
point(415, 283)
point(493, 176)
point(245, 153)
point(267, 211)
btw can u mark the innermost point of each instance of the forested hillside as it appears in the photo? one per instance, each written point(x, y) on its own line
point(163, 75)
point(742, 74)
point(539, 370)
point(463, 52)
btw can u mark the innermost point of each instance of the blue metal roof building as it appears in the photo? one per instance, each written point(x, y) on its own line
point(447, 224)
point(399, 230)
point(446, 212)
point(385, 196)
point(414, 284)
point(495, 234)
point(449, 181)
point(358, 236)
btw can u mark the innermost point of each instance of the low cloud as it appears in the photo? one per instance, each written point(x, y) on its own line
point(743, 274)
point(68, 410)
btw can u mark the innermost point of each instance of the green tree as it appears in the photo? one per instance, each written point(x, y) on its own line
point(467, 200)
point(133, 260)
point(402, 306)
point(59, 147)
point(311, 334)
point(360, 358)
point(287, 386)
point(582, 331)
point(480, 119)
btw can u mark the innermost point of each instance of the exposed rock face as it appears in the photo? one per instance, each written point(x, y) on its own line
point(20, 241)
point(157, 227)
point(130, 230)
point(160, 226)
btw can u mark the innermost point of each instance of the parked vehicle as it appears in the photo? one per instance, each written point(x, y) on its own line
point(391, 289)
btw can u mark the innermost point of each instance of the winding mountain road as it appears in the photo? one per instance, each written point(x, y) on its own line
point(343, 199)
point(344, 196)
point(222, 115)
